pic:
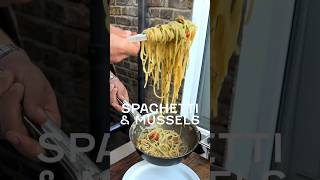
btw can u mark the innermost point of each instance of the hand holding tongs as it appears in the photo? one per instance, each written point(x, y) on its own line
point(77, 168)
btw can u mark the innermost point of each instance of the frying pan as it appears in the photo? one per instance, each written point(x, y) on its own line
point(189, 134)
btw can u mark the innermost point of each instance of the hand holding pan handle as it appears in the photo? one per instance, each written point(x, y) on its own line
point(134, 113)
point(77, 168)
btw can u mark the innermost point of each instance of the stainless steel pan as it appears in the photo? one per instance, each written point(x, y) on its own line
point(189, 134)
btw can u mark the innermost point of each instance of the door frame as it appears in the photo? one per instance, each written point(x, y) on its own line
point(290, 91)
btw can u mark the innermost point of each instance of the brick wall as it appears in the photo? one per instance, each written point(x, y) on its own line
point(55, 34)
point(124, 14)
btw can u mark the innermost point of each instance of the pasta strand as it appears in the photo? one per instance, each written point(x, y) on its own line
point(161, 143)
point(165, 56)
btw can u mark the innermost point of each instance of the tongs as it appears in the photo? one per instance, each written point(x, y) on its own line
point(80, 168)
point(137, 38)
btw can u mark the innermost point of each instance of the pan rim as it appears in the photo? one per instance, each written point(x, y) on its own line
point(168, 158)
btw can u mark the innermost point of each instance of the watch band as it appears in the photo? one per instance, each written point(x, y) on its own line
point(6, 49)
point(112, 76)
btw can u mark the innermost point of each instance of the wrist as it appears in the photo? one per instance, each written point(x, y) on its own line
point(15, 61)
point(6, 49)
point(112, 76)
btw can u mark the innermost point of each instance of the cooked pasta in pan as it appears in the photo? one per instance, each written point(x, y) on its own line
point(161, 143)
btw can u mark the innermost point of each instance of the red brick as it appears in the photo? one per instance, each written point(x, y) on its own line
point(130, 11)
point(123, 20)
point(115, 10)
point(154, 12)
point(166, 14)
point(156, 3)
point(34, 28)
point(187, 14)
point(181, 4)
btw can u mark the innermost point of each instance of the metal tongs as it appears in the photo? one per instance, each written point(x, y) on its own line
point(80, 169)
point(137, 38)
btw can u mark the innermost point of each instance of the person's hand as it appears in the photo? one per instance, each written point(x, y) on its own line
point(11, 125)
point(120, 32)
point(117, 89)
point(120, 47)
point(38, 96)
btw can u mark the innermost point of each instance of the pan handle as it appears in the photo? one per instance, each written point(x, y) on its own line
point(120, 101)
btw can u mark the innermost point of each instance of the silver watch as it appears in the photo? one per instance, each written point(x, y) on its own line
point(6, 49)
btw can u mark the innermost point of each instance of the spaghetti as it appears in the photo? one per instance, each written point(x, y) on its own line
point(225, 28)
point(161, 143)
point(165, 56)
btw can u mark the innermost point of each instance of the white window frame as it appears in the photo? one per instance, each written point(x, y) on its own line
point(200, 17)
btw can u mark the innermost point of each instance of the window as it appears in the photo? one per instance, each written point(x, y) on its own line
point(196, 77)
